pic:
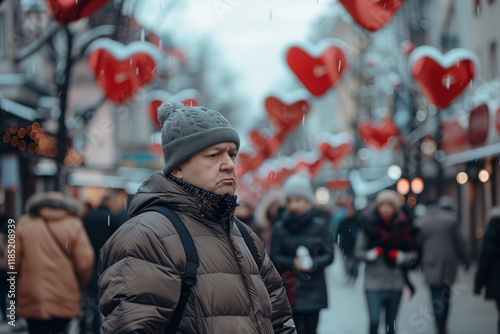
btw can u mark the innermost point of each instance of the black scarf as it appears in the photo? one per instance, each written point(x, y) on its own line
point(294, 223)
point(225, 204)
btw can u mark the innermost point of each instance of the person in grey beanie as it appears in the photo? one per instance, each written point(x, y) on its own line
point(145, 266)
point(301, 249)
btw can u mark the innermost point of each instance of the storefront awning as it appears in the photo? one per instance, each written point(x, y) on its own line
point(470, 155)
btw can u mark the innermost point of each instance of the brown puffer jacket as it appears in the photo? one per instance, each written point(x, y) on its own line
point(142, 264)
point(47, 285)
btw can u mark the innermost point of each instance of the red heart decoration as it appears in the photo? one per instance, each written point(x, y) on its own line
point(65, 11)
point(453, 135)
point(376, 134)
point(310, 166)
point(248, 161)
point(319, 73)
point(265, 144)
point(286, 116)
point(336, 148)
point(188, 97)
point(121, 70)
point(372, 15)
point(443, 78)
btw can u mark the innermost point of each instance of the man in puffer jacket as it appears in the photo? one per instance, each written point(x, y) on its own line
point(142, 265)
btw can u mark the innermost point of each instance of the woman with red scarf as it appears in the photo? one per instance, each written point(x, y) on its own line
point(387, 245)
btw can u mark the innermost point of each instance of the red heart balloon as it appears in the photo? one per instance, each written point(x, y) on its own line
point(265, 144)
point(453, 135)
point(286, 116)
point(335, 153)
point(377, 134)
point(310, 166)
point(188, 97)
point(443, 78)
point(335, 148)
point(121, 70)
point(322, 70)
point(248, 161)
point(372, 15)
point(65, 11)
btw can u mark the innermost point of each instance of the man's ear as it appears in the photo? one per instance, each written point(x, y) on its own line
point(177, 172)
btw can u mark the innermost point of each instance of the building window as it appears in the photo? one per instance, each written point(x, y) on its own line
point(493, 59)
point(477, 7)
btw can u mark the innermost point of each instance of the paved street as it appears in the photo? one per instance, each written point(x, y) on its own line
point(348, 314)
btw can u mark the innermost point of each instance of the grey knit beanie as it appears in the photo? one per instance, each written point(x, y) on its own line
point(299, 185)
point(186, 131)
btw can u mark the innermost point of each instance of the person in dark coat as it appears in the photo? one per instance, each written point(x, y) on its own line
point(301, 248)
point(443, 249)
point(100, 224)
point(488, 271)
point(347, 234)
point(387, 244)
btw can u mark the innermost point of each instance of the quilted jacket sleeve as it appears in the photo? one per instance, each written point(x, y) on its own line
point(139, 285)
point(282, 312)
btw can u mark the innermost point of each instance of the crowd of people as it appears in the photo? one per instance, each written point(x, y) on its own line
point(179, 260)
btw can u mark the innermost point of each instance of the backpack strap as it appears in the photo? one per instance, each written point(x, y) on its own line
point(192, 263)
point(248, 241)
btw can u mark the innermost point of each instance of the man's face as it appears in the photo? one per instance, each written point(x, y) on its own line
point(212, 169)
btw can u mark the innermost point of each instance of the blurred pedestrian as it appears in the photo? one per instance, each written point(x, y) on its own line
point(443, 249)
point(245, 213)
point(185, 266)
point(386, 243)
point(488, 271)
point(267, 213)
point(348, 232)
point(338, 214)
point(302, 244)
point(54, 259)
point(100, 224)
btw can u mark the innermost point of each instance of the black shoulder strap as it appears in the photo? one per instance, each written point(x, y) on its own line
point(192, 263)
point(248, 240)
